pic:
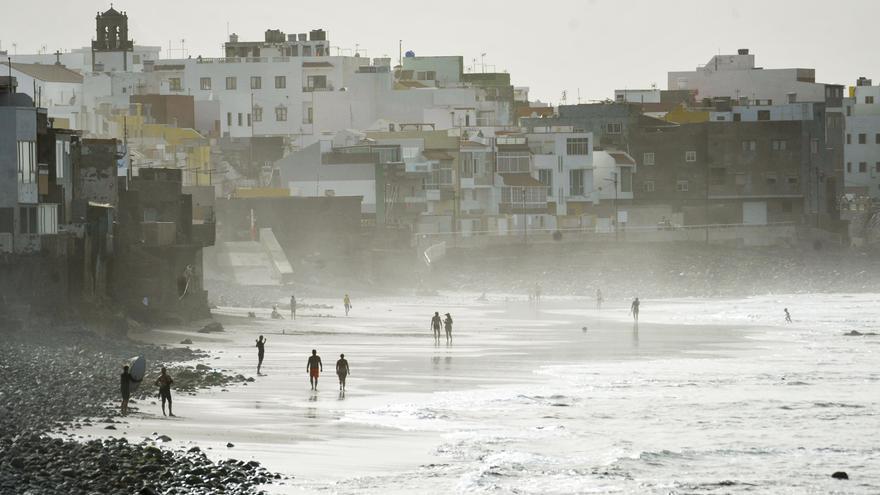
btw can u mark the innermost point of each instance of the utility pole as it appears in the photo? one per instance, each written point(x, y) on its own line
point(525, 217)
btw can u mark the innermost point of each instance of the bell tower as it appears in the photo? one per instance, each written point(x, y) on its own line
point(111, 47)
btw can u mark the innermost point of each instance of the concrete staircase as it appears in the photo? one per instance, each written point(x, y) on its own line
point(260, 262)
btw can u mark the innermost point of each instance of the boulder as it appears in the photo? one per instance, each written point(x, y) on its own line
point(840, 475)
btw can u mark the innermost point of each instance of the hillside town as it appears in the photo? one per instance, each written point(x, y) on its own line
point(128, 175)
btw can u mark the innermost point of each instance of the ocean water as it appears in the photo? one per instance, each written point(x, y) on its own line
point(777, 413)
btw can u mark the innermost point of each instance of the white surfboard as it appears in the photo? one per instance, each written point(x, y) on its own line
point(137, 367)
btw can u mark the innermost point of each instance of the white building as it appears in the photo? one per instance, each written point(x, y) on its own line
point(563, 161)
point(637, 95)
point(861, 152)
point(54, 87)
point(737, 77)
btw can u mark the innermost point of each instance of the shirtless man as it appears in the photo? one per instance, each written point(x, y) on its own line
point(435, 326)
point(313, 367)
point(164, 383)
point(342, 371)
point(447, 324)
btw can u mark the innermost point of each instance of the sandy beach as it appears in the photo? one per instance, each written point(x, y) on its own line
point(324, 438)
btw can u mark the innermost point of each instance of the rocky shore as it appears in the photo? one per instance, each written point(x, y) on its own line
point(54, 382)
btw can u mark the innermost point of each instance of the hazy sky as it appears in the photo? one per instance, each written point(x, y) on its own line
point(594, 46)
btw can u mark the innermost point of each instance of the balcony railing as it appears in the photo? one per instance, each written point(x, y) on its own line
point(513, 162)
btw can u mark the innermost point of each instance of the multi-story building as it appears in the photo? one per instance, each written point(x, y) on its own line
point(862, 142)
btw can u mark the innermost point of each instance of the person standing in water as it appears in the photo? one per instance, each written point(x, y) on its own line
point(787, 316)
point(125, 387)
point(634, 309)
point(314, 367)
point(164, 383)
point(435, 326)
point(347, 303)
point(342, 371)
point(599, 299)
point(261, 352)
point(447, 323)
point(537, 293)
point(292, 307)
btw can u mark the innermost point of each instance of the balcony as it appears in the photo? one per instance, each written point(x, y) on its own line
point(513, 162)
point(310, 89)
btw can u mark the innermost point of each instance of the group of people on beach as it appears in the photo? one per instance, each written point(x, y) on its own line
point(276, 315)
point(164, 383)
point(314, 367)
point(436, 323)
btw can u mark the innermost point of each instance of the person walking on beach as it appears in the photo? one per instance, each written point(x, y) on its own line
point(634, 309)
point(314, 367)
point(787, 316)
point(125, 387)
point(342, 371)
point(292, 307)
point(261, 352)
point(537, 293)
point(599, 298)
point(347, 303)
point(164, 383)
point(447, 323)
point(435, 326)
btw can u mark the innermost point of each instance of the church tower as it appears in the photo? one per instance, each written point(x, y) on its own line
point(111, 49)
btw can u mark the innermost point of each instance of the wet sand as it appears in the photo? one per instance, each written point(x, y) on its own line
point(278, 421)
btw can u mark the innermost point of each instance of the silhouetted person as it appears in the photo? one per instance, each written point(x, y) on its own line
point(261, 352)
point(313, 367)
point(447, 324)
point(342, 371)
point(292, 307)
point(164, 383)
point(537, 293)
point(125, 387)
point(435, 326)
point(599, 299)
point(634, 309)
point(787, 316)
point(347, 303)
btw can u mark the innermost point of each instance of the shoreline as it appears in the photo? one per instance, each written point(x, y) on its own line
point(277, 422)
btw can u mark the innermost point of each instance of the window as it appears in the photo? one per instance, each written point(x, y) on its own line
point(228, 119)
point(612, 127)
point(27, 218)
point(428, 75)
point(863, 167)
point(770, 177)
point(281, 113)
point(27, 162)
point(174, 84)
point(410, 153)
point(256, 82)
point(849, 167)
point(316, 82)
point(869, 100)
point(249, 120)
point(749, 145)
point(307, 51)
point(648, 158)
point(779, 144)
point(231, 82)
point(545, 175)
point(577, 146)
point(308, 116)
point(205, 83)
point(862, 138)
point(648, 186)
point(576, 179)
point(136, 59)
point(280, 82)
point(792, 180)
point(239, 119)
point(877, 138)
point(258, 113)
point(681, 186)
point(849, 111)
point(814, 145)
point(690, 156)
point(737, 117)
point(763, 114)
point(849, 139)
point(60, 157)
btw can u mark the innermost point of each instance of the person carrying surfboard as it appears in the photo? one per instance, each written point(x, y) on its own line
point(164, 383)
point(313, 367)
point(125, 387)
